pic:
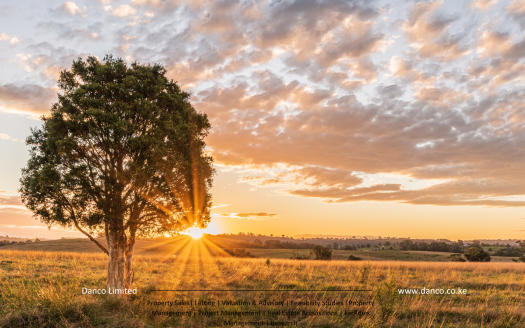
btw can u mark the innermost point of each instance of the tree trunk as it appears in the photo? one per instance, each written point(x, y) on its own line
point(113, 277)
point(119, 261)
point(129, 255)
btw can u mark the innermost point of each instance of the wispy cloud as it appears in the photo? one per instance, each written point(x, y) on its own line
point(248, 216)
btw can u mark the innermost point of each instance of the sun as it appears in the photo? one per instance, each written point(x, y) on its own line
point(194, 232)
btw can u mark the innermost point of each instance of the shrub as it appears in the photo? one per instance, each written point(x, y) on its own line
point(456, 258)
point(354, 258)
point(477, 254)
point(322, 253)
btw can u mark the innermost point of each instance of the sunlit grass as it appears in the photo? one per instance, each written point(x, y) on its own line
point(39, 289)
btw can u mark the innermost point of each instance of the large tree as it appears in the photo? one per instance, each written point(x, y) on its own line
point(123, 152)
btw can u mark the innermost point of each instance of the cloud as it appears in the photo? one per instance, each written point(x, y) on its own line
point(407, 72)
point(71, 8)
point(7, 137)
point(483, 4)
point(92, 32)
point(4, 37)
point(315, 97)
point(456, 193)
point(427, 33)
point(124, 11)
point(249, 216)
point(10, 200)
point(516, 10)
point(14, 40)
point(505, 56)
point(20, 223)
point(316, 151)
point(52, 72)
point(307, 177)
point(18, 217)
point(27, 98)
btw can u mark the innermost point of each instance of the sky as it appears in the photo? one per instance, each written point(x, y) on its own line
point(357, 118)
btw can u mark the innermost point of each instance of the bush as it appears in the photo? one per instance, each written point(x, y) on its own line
point(477, 254)
point(322, 253)
point(456, 258)
point(354, 258)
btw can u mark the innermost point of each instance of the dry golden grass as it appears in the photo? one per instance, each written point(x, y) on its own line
point(43, 289)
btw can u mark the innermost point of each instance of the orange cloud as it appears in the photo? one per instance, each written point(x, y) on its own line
point(483, 4)
point(428, 33)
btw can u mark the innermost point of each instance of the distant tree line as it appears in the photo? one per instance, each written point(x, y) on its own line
point(269, 244)
point(409, 245)
point(7, 242)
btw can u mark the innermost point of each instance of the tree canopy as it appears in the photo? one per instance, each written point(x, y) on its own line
point(123, 152)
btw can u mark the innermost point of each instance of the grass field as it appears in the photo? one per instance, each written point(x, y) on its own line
point(43, 289)
point(147, 247)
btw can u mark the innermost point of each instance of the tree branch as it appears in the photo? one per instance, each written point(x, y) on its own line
point(89, 236)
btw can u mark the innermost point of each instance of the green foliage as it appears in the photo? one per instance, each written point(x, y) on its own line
point(409, 245)
point(322, 253)
point(522, 249)
point(354, 258)
point(122, 146)
point(456, 258)
point(477, 254)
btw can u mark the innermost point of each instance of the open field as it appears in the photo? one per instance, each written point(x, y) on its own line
point(43, 289)
point(82, 245)
point(147, 247)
